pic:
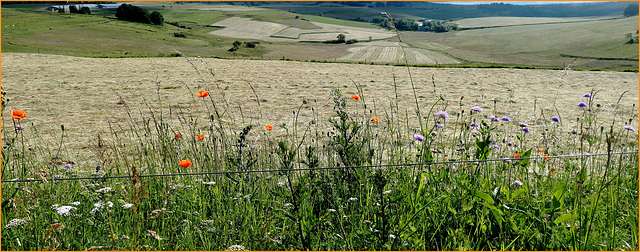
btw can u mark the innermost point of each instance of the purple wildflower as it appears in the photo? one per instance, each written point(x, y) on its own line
point(418, 137)
point(476, 109)
point(434, 150)
point(628, 127)
point(439, 125)
point(587, 127)
point(574, 132)
point(493, 118)
point(435, 133)
point(442, 114)
point(555, 119)
point(523, 124)
point(587, 95)
point(506, 119)
point(507, 160)
point(68, 166)
point(474, 132)
point(510, 143)
point(474, 124)
point(582, 105)
point(517, 183)
point(495, 146)
point(19, 127)
point(525, 129)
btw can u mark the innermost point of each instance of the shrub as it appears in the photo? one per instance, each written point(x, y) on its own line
point(352, 41)
point(179, 35)
point(84, 10)
point(156, 18)
point(251, 45)
point(73, 9)
point(133, 13)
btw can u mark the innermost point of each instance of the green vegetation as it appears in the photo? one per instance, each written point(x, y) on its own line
point(134, 13)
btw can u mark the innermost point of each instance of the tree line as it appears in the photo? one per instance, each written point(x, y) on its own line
point(134, 13)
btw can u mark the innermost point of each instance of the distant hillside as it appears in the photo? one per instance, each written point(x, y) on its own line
point(368, 10)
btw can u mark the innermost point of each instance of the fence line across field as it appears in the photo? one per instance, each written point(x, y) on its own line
point(321, 168)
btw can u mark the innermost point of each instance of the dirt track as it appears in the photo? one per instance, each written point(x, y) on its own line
point(83, 93)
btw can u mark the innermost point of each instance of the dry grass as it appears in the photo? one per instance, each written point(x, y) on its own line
point(511, 21)
point(393, 54)
point(77, 92)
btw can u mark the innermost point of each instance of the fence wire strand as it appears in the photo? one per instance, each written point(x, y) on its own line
point(320, 168)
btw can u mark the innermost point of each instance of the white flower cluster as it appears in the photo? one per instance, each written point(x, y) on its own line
point(16, 223)
point(64, 210)
point(104, 190)
point(236, 248)
point(98, 206)
point(127, 206)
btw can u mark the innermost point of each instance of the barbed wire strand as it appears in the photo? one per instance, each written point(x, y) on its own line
point(320, 168)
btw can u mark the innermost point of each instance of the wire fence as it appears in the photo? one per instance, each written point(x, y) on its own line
point(584, 155)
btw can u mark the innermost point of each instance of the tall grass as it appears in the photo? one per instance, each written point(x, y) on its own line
point(449, 197)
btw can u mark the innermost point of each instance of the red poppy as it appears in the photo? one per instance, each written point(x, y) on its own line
point(355, 97)
point(178, 135)
point(18, 114)
point(375, 119)
point(200, 137)
point(546, 157)
point(268, 127)
point(517, 155)
point(540, 150)
point(185, 163)
point(202, 93)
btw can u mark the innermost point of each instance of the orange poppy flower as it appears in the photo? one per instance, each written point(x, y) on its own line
point(375, 119)
point(18, 114)
point(200, 137)
point(268, 127)
point(540, 150)
point(185, 163)
point(202, 93)
point(464, 165)
point(178, 135)
point(517, 155)
point(546, 157)
point(554, 173)
point(355, 97)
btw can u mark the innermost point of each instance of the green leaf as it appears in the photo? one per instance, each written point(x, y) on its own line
point(517, 193)
point(496, 213)
point(421, 186)
point(484, 196)
point(563, 218)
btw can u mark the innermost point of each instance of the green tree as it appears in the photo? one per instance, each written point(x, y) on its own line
point(73, 9)
point(156, 18)
point(342, 38)
point(84, 10)
point(631, 10)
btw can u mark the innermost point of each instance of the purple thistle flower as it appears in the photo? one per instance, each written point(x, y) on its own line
point(525, 129)
point(19, 127)
point(510, 143)
point(517, 183)
point(495, 146)
point(439, 125)
point(442, 114)
point(476, 109)
point(418, 137)
point(587, 95)
point(523, 124)
point(68, 166)
point(582, 105)
point(587, 127)
point(555, 119)
point(474, 124)
point(506, 119)
point(435, 133)
point(628, 127)
point(574, 132)
point(434, 151)
point(474, 132)
point(493, 118)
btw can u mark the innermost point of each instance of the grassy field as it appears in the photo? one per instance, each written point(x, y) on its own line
point(530, 45)
point(90, 117)
point(598, 44)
